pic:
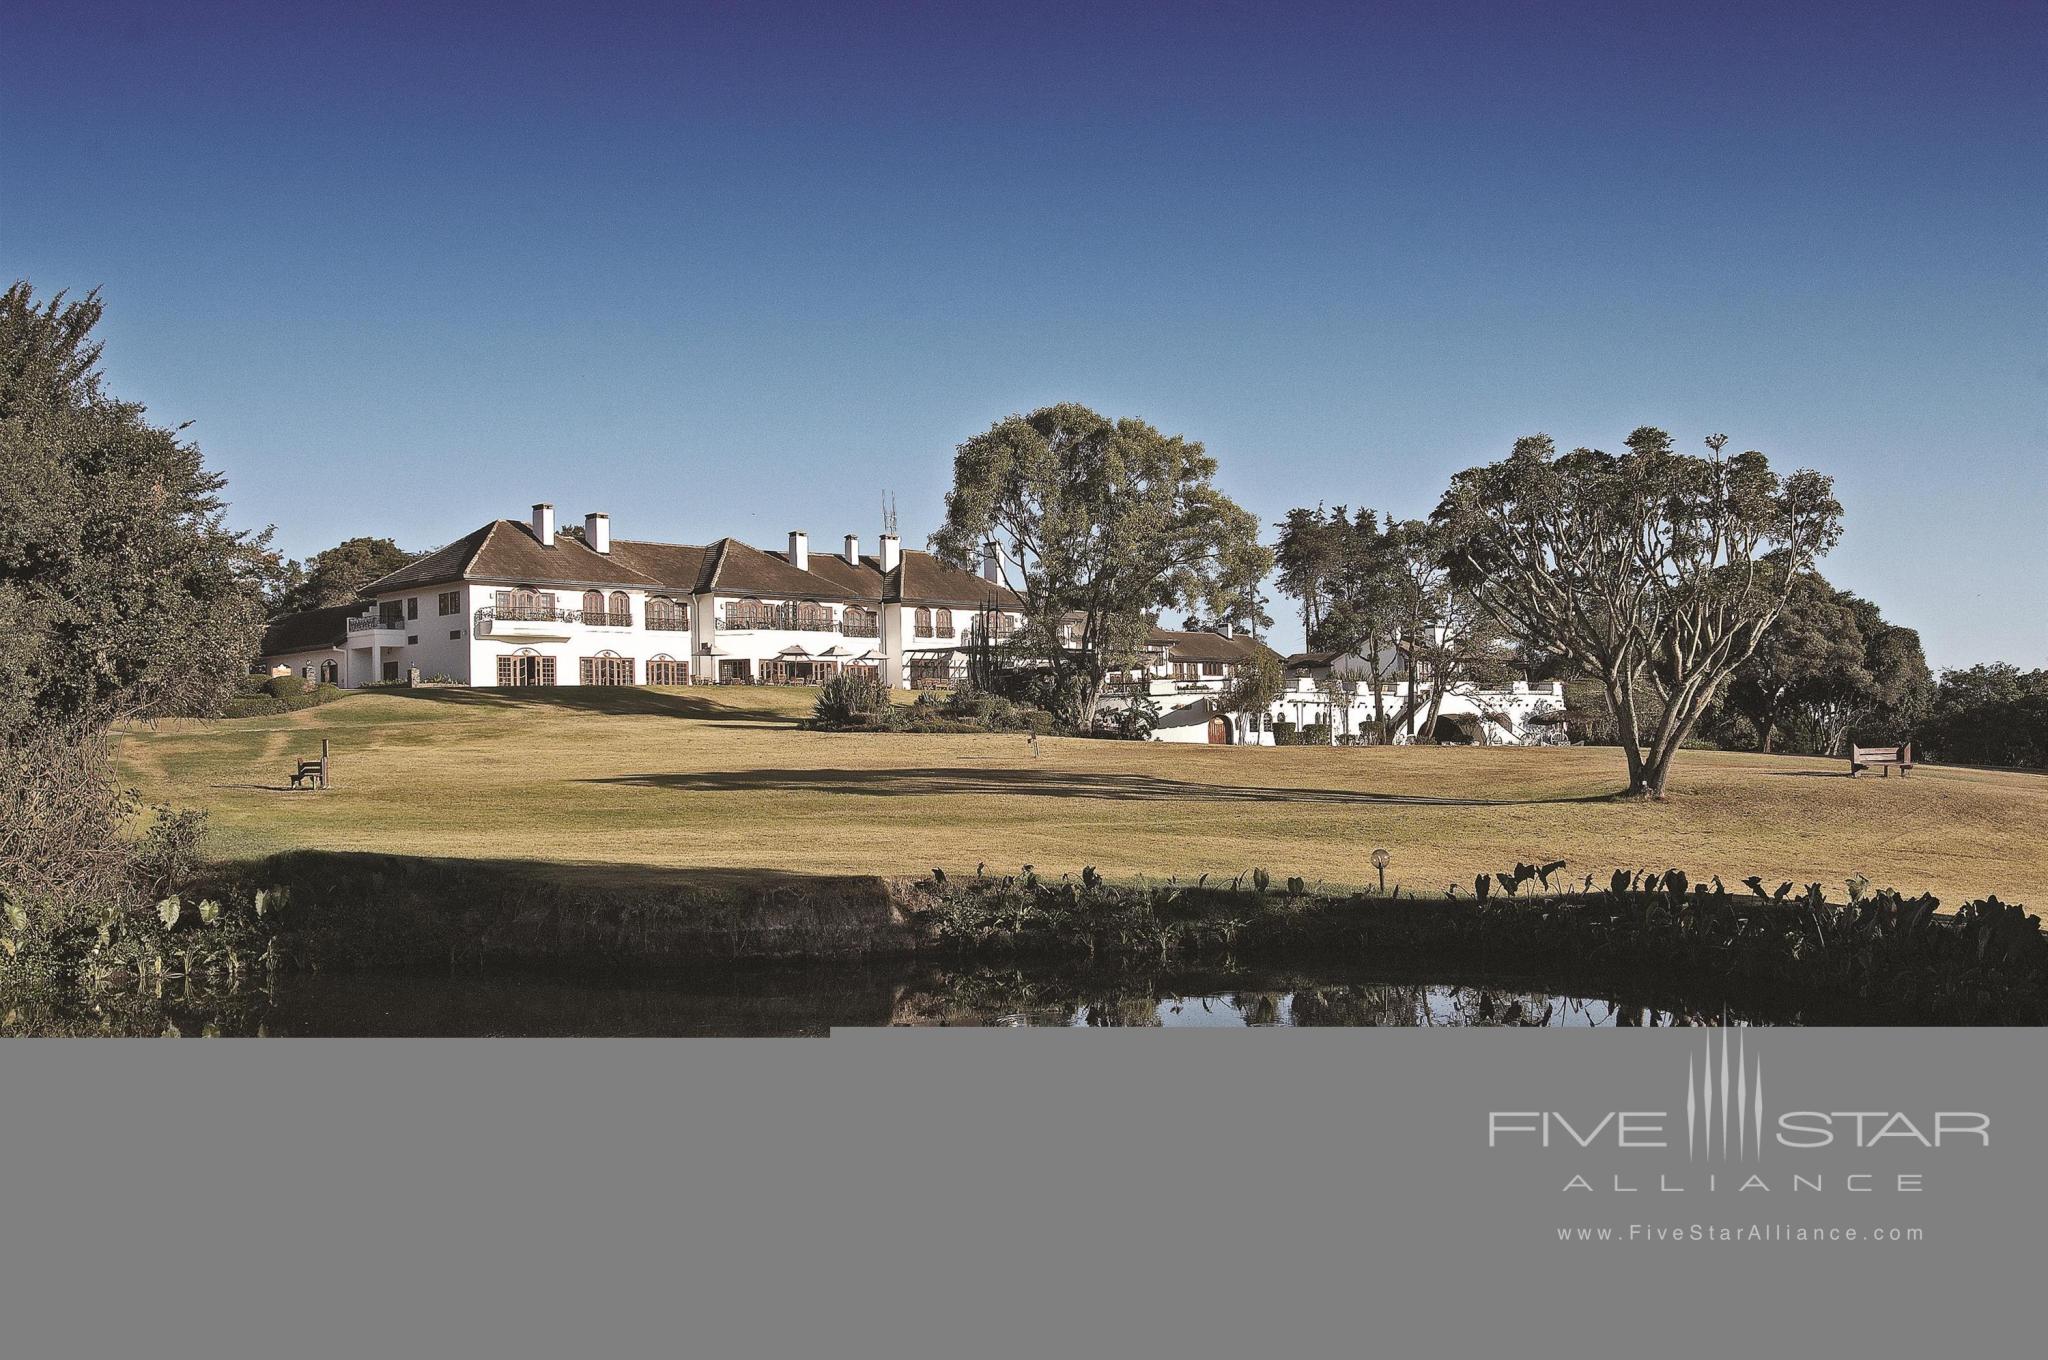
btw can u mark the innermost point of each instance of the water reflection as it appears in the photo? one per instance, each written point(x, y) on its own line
point(1264, 1002)
point(813, 1001)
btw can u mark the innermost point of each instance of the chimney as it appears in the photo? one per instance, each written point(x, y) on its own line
point(991, 562)
point(853, 550)
point(892, 552)
point(799, 550)
point(597, 531)
point(544, 524)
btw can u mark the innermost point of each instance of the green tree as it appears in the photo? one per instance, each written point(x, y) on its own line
point(1828, 669)
point(123, 594)
point(1308, 558)
point(1813, 648)
point(1654, 571)
point(1347, 572)
point(1103, 523)
point(338, 575)
point(1255, 688)
point(1993, 714)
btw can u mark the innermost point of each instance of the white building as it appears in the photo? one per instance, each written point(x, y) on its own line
point(1185, 674)
point(521, 604)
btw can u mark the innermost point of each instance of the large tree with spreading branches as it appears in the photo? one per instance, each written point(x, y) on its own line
point(1101, 524)
point(1656, 572)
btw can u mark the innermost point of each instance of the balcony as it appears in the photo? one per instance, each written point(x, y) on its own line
point(594, 618)
point(376, 630)
point(530, 622)
point(859, 628)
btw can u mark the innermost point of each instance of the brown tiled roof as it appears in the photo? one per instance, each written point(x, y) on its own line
point(1203, 646)
point(315, 628)
point(862, 582)
point(924, 579)
point(506, 550)
point(743, 570)
point(510, 552)
point(443, 564)
point(679, 567)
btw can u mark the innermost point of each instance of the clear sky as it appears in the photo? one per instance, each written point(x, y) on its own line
point(737, 269)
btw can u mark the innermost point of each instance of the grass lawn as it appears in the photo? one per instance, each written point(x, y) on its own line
point(702, 783)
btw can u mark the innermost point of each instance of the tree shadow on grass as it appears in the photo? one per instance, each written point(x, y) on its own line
point(629, 700)
point(1043, 784)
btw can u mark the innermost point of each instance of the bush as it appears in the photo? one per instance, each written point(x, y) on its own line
point(165, 856)
point(286, 686)
point(267, 705)
point(852, 699)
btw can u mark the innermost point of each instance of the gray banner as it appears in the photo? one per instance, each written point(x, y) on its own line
point(1451, 1192)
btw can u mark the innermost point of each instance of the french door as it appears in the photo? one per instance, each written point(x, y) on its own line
point(514, 671)
point(606, 670)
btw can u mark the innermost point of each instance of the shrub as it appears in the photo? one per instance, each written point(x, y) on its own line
point(285, 686)
point(851, 699)
point(168, 851)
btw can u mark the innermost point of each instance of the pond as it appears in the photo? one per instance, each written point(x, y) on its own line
point(760, 1000)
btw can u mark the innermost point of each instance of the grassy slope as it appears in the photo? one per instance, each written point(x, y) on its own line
point(642, 781)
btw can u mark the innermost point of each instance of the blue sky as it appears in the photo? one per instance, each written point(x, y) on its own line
point(738, 269)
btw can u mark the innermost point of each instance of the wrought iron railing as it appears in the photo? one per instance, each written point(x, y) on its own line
point(598, 618)
point(667, 624)
point(372, 622)
point(786, 620)
point(528, 613)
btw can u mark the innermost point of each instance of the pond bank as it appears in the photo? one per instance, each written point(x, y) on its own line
point(1985, 963)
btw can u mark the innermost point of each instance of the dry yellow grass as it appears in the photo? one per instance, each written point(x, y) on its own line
point(636, 782)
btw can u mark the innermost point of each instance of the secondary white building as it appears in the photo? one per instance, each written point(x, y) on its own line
point(519, 603)
point(1185, 674)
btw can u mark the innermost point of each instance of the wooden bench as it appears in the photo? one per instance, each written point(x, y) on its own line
point(1862, 758)
point(314, 770)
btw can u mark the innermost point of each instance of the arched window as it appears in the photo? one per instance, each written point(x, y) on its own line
point(593, 603)
point(857, 622)
point(667, 615)
point(945, 623)
point(924, 623)
point(744, 613)
point(621, 610)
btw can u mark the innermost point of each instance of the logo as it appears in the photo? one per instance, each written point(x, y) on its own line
point(1745, 1100)
point(1726, 1121)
